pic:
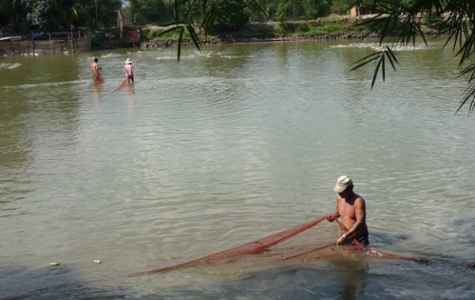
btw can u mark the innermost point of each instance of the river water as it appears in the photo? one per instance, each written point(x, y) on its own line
point(232, 144)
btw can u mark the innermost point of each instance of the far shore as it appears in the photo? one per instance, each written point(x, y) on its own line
point(330, 28)
point(173, 42)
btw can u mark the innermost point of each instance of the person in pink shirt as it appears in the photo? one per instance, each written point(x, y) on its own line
point(129, 70)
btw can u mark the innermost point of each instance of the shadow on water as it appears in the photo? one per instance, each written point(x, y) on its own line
point(388, 239)
point(464, 228)
point(336, 278)
point(58, 282)
point(342, 278)
point(19, 282)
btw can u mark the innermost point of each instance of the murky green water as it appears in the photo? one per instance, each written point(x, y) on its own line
point(230, 145)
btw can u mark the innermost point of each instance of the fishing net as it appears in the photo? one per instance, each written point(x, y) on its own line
point(306, 242)
point(98, 78)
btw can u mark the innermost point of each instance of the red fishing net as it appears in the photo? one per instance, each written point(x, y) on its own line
point(306, 242)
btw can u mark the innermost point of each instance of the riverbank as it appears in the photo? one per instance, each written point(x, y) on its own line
point(65, 45)
point(330, 28)
point(324, 28)
point(231, 40)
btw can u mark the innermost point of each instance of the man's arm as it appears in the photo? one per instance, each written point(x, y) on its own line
point(335, 215)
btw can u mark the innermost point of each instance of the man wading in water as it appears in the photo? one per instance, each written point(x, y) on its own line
point(96, 76)
point(129, 70)
point(352, 209)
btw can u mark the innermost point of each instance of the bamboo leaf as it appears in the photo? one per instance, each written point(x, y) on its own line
point(384, 31)
point(392, 58)
point(177, 7)
point(190, 6)
point(469, 96)
point(468, 70)
point(375, 75)
point(180, 40)
point(193, 35)
point(259, 7)
point(365, 60)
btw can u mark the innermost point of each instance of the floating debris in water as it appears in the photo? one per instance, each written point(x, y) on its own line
point(9, 66)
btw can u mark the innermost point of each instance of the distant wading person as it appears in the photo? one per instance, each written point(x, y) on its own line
point(96, 76)
point(129, 70)
point(352, 210)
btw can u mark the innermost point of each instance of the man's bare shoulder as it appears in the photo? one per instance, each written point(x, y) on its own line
point(359, 200)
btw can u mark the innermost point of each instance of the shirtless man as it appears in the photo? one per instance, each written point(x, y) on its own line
point(96, 76)
point(352, 209)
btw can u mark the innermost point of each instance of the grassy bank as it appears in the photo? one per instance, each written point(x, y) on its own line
point(338, 25)
point(333, 27)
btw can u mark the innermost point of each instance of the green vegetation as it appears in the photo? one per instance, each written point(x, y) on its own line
point(396, 22)
point(58, 14)
point(400, 22)
point(281, 17)
point(211, 14)
point(343, 25)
